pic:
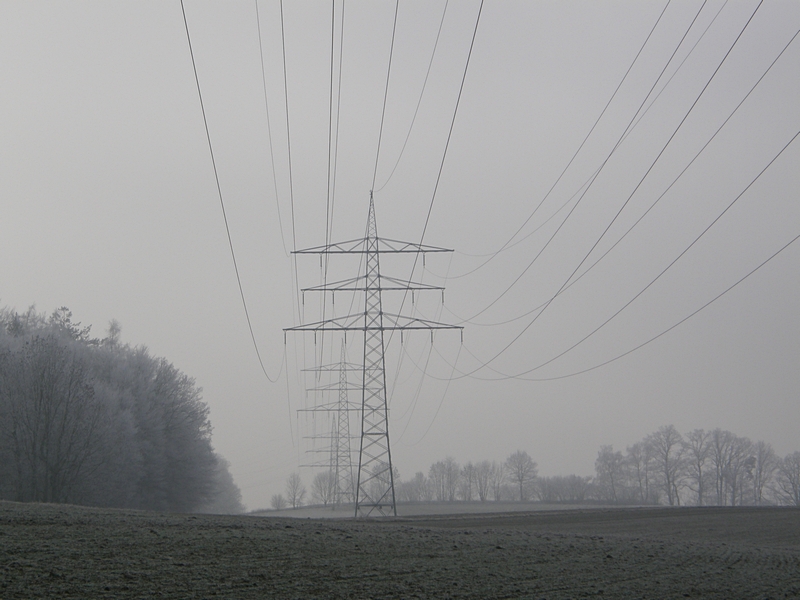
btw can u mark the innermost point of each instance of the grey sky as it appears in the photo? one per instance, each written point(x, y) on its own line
point(110, 207)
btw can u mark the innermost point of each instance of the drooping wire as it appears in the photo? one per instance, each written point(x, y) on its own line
point(645, 213)
point(586, 256)
point(333, 152)
point(666, 331)
point(444, 154)
point(508, 245)
point(444, 395)
point(269, 131)
point(419, 101)
point(594, 178)
point(385, 94)
point(288, 132)
point(643, 290)
point(667, 267)
point(657, 200)
point(329, 233)
point(580, 147)
point(222, 203)
point(295, 286)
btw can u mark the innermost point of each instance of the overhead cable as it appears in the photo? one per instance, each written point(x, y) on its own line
point(586, 256)
point(269, 132)
point(580, 147)
point(419, 101)
point(594, 178)
point(385, 93)
point(222, 203)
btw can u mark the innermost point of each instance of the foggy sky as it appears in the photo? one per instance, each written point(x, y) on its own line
point(110, 207)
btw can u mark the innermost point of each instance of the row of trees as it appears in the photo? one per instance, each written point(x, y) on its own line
point(701, 468)
point(514, 479)
point(95, 422)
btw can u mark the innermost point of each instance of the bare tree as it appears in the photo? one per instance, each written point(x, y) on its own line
point(639, 462)
point(697, 449)
point(413, 490)
point(497, 479)
point(483, 474)
point(576, 488)
point(610, 470)
point(444, 475)
point(277, 502)
point(571, 488)
point(467, 482)
point(788, 484)
point(54, 420)
point(764, 468)
point(295, 490)
point(738, 468)
point(668, 456)
point(322, 487)
point(721, 442)
point(522, 470)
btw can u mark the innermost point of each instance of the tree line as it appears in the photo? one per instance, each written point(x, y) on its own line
point(96, 422)
point(699, 468)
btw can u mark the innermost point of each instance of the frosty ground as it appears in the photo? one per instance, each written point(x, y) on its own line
point(56, 551)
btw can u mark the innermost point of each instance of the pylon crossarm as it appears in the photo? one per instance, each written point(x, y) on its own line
point(335, 367)
point(377, 245)
point(403, 322)
point(330, 408)
point(335, 387)
point(355, 322)
point(354, 285)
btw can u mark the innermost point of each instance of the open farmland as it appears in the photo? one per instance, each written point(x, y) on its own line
point(57, 551)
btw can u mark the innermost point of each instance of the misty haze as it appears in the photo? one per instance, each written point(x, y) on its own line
point(399, 299)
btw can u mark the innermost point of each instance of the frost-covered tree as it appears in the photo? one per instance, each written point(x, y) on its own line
point(278, 502)
point(696, 450)
point(98, 422)
point(609, 475)
point(444, 476)
point(788, 481)
point(667, 447)
point(522, 470)
point(295, 490)
point(322, 487)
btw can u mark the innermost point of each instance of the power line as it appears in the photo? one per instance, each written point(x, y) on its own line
point(669, 265)
point(419, 101)
point(580, 147)
point(654, 338)
point(269, 132)
point(643, 290)
point(385, 93)
point(594, 178)
point(657, 200)
point(586, 256)
point(441, 165)
point(288, 131)
point(222, 203)
point(508, 245)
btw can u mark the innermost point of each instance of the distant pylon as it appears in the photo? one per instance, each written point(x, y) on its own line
point(375, 480)
point(341, 456)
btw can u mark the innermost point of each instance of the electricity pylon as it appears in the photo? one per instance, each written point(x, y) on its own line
point(375, 481)
point(340, 463)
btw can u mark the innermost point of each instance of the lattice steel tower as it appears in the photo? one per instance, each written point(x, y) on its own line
point(375, 480)
point(340, 457)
